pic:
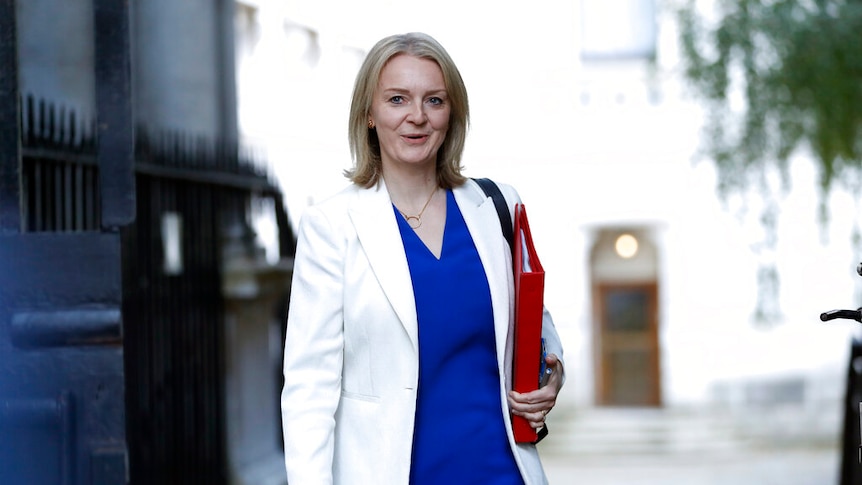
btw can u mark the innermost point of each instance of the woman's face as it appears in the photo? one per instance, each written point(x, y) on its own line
point(410, 111)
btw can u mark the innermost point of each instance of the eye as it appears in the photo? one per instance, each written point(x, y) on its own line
point(435, 101)
point(396, 99)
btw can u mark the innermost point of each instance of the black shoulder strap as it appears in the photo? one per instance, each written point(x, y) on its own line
point(491, 190)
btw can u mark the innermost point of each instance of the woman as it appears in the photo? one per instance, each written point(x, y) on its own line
point(399, 339)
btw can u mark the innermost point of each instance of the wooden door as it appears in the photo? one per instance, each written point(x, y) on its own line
point(627, 345)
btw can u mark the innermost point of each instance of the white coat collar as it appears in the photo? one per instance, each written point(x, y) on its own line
point(480, 214)
point(377, 229)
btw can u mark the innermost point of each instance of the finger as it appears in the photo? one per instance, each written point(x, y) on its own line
point(532, 412)
point(554, 362)
point(534, 397)
point(538, 421)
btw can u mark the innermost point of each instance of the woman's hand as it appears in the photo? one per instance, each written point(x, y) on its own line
point(535, 405)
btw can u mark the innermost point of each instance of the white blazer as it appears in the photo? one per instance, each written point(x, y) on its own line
point(351, 362)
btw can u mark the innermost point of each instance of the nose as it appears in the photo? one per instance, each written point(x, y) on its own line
point(417, 114)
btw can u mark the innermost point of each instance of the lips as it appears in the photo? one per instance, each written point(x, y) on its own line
point(414, 138)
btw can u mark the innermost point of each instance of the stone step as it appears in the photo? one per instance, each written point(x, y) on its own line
point(642, 431)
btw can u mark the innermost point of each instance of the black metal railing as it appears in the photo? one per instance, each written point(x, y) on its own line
point(172, 319)
point(60, 177)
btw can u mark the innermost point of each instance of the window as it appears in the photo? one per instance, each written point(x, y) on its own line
point(617, 29)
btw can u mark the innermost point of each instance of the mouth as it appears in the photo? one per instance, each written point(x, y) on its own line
point(414, 138)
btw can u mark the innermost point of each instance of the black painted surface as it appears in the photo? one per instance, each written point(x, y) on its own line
point(114, 120)
point(62, 414)
point(61, 372)
point(10, 135)
point(111, 371)
point(851, 453)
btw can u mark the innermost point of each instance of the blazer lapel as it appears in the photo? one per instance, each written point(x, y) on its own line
point(484, 225)
point(373, 218)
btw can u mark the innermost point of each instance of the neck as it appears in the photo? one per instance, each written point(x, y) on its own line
point(410, 190)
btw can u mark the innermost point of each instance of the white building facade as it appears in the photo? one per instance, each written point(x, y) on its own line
point(599, 141)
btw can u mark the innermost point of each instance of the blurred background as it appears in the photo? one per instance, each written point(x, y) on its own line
point(690, 170)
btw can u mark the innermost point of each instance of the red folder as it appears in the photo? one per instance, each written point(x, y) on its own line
point(529, 293)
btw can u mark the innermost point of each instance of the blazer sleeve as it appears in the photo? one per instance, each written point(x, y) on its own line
point(313, 352)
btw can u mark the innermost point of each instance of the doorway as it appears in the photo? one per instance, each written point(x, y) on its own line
point(627, 347)
point(624, 279)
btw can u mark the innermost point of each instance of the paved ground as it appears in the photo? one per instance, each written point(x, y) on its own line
point(763, 467)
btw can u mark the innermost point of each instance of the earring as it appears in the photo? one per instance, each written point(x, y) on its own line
point(370, 124)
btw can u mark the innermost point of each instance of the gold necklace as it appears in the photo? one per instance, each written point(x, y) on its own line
point(415, 222)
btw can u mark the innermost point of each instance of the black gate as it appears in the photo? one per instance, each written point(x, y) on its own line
point(111, 304)
point(192, 195)
point(63, 200)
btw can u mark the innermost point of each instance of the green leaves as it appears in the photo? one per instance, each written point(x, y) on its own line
point(797, 67)
point(777, 77)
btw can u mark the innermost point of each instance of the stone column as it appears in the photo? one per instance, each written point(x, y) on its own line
point(253, 289)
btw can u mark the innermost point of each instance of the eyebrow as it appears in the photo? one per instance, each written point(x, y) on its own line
point(437, 92)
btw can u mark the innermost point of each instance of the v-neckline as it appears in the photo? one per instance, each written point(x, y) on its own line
point(405, 228)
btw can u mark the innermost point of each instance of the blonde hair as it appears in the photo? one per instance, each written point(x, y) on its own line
point(364, 145)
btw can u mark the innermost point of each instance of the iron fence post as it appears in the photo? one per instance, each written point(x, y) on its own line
point(10, 131)
point(114, 118)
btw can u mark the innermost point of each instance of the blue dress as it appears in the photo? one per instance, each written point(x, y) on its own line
point(459, 435)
